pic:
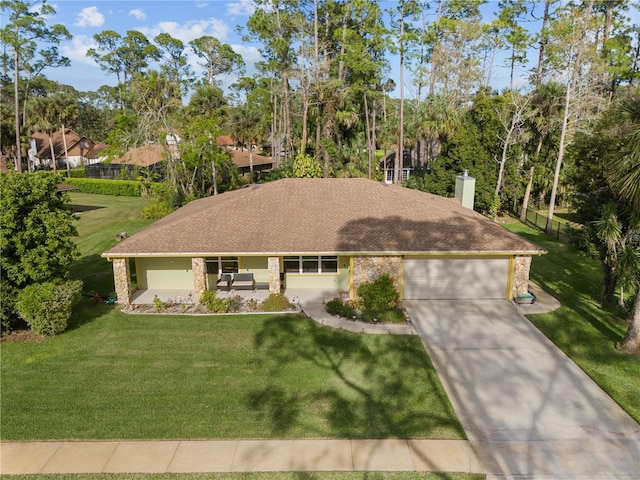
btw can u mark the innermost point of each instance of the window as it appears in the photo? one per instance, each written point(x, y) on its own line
point(329, 264)
point(218, 265)
point(311, 264)
point(229, 265)
point(291, 264)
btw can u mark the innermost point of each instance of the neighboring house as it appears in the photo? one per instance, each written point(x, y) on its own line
point(328, 235)
point(80, 150)
point(243, 161)
point(150, 157)
point(387, 166)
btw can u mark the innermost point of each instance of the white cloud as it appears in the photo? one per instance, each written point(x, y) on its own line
point(242, 7)
point(90, 17)
point(190, 30)
point(250, 55)
point(201, 4)
point(138, 13)
point(76, 49)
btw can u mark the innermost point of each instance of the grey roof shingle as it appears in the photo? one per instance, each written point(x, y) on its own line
point(296, 216)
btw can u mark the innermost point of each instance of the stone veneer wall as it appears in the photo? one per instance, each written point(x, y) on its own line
point(274, 274)
point(200, 282)
point(122, 280)
point(521, 267)
point(367, 269)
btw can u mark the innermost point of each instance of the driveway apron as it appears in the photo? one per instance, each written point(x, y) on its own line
point(529, 411)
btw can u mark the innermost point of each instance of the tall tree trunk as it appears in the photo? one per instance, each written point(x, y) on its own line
point(368, 134)
point(53, 154)
point(544, 39)
point(400, 156)
point(16, 98)
point(527, 194)
point(608, 283)
point(563, 136)
point(66, 153)
point(434, 58)
point(631, 341)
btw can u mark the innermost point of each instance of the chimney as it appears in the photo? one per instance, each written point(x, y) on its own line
point(466, 189)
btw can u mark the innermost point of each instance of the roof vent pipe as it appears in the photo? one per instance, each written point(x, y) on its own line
point(466, 189)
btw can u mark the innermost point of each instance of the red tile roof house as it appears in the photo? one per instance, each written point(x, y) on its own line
point(330, 236)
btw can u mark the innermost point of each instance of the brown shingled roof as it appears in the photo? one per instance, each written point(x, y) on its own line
point(241, 158)
point(296, 216)
point(144, 156)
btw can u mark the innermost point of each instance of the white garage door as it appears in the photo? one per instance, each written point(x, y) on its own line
point(455, 278)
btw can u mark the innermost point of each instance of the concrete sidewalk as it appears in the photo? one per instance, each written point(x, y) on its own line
point(238, 456)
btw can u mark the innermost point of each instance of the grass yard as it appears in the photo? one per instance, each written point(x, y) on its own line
point(117, 376)
point(266, 476)
point(581, 327)
point(100, 219)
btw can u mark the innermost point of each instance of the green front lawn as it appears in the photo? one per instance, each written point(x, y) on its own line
point(581, 327)
point(117, 376)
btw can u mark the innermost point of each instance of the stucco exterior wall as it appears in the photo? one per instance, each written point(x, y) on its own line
point(329, 281)
point(259, 266)
point(366, 269)
point(521, 268)
point(164, 273)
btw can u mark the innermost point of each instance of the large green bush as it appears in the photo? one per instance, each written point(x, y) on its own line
point(36, 237)
point(47, 307)
point(381, 294)
point(125, 188)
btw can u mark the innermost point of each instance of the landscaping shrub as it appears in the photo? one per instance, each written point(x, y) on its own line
point(126, 188)
point(77, 173)
point(47, 307)
point(158, 304)
point(341, 308)
point(156, 210)
point(381, 294)
point(214, 304)
point(276, 302)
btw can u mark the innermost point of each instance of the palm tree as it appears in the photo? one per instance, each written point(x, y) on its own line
point(624, 178)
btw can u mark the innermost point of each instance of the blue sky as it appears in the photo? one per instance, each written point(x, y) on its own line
point(185, 20)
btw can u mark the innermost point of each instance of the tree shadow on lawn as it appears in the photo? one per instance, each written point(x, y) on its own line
point(77, 208)
point(372, 386)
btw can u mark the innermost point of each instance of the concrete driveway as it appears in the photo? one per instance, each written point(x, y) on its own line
point(529, 411)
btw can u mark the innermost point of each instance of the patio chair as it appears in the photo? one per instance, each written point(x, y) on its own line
point(224, 282)
point(243, 281)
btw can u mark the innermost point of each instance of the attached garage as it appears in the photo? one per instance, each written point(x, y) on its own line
point(450, 278)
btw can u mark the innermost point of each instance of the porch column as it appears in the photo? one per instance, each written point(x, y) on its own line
point(200, 284)
point(521, 267)
point(274, 274)
point(122, 280)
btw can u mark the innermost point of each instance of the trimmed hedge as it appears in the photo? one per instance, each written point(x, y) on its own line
point(77, 173)
point(124, 188)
